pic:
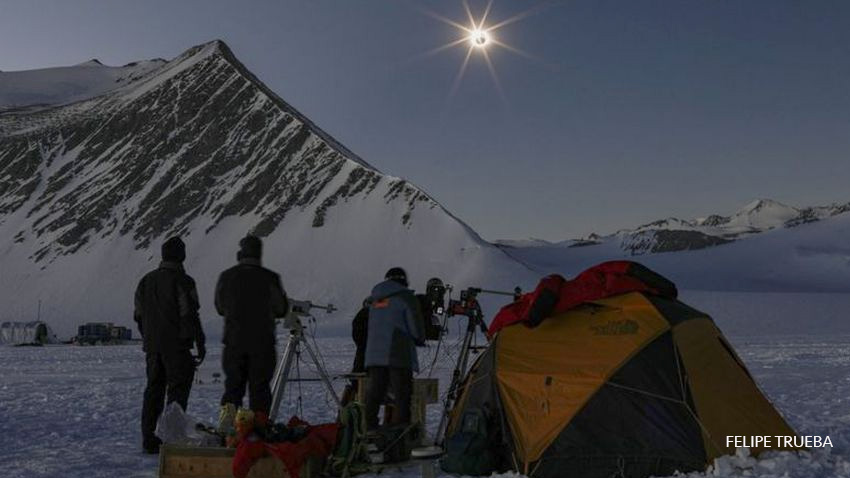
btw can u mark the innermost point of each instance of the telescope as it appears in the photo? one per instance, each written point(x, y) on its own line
point(516, 293)
point(303, 307)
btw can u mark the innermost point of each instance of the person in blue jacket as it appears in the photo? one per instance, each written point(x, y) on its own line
point(395, 329)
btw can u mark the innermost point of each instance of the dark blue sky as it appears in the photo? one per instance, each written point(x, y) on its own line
point(638, 110)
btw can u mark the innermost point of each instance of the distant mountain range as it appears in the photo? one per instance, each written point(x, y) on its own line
point(764, 247)
point(674, 234)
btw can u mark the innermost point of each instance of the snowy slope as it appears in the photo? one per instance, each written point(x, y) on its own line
point(200, 147)
point(55, 86)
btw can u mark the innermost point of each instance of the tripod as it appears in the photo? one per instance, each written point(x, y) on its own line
point(475, 320)
point(292, 354)
point(467, 306)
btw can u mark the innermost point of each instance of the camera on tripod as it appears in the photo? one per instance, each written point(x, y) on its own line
point(302, 308)
point(433, 306)
point(435, 294)
point(467, 305)
point(291, 355)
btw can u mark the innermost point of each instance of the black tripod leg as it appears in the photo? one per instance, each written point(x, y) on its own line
point(483, 327)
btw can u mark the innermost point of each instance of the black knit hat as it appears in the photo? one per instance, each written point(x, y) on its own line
point(397, 274)
point(250, 246)
point(174, 250)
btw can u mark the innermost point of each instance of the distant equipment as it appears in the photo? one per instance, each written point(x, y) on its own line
point(102, 333)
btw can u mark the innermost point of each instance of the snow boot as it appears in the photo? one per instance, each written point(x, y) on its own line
point(151, 445)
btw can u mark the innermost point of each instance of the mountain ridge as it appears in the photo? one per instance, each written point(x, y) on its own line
point(674, 234)
point(116, 99)
point(199, 147)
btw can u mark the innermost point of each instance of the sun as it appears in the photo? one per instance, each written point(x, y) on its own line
point(479, 38)
point(478, 35)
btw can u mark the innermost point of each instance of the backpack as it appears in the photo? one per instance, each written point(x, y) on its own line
point(350, 455)
point(469, 451)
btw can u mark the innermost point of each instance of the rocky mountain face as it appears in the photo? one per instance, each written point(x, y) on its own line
point(199, 138)
point(199, 147)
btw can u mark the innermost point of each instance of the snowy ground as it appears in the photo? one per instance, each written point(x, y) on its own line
point(74, 411)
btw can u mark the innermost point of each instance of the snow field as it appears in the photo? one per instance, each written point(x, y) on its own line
point(74, 411)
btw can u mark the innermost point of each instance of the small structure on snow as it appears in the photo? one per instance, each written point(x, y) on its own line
point(105, 333)
point(26, 333)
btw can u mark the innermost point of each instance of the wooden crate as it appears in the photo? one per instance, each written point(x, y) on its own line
point(425, 392)
point(195, 462)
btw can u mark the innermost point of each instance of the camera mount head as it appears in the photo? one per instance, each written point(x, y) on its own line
point(302, 308)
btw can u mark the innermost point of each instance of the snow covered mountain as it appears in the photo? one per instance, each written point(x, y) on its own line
point(99, 164)
point(52, 86)
point(93, 176)
point(674, 234)
point(767, 247)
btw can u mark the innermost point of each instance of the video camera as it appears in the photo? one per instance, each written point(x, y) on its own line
point(467, 305)
point(435, 293)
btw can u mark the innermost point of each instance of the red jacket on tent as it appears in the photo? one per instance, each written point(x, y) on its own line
point(554, 294)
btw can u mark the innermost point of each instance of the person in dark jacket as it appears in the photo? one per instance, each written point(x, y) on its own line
point(250, 298)
point(166, 311)
point(359, 334)
point(395, 329)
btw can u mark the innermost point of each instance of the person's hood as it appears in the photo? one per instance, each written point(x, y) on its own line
point(386, 289)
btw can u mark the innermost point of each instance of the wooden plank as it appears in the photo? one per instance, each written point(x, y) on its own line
point(427, 468)
point(196, 462)
point(426, 390)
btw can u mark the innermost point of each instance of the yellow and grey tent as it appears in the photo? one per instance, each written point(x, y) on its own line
point(632, 385)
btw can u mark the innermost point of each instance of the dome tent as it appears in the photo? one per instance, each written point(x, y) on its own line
point(620, 379)
point(26, 333)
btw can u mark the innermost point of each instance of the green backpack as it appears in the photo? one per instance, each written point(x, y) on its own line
point(350, 455)
point(469, 451)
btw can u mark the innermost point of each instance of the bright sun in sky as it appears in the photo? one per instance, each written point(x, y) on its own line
point(479, 37)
